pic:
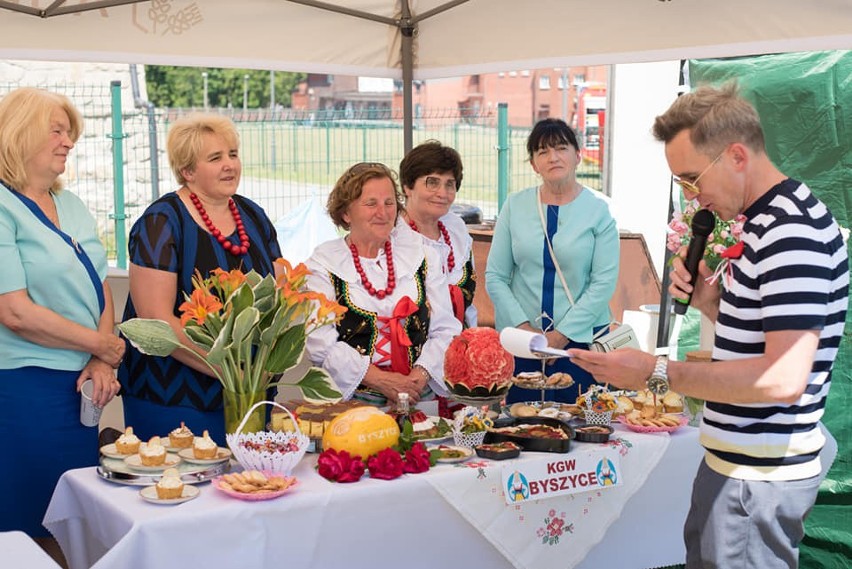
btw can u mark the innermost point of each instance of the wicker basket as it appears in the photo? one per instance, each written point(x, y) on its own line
point(469, 440)
point(269, 460)
point(598, 418)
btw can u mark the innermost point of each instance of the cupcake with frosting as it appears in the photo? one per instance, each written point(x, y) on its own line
point(170, 485)
point(128, 443)
point(181, 437)
point(204, 447)
point(152, 453)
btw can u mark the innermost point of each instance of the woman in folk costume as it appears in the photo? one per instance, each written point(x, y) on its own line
point(400, 320)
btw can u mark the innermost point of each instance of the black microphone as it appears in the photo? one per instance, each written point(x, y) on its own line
point(703, 223)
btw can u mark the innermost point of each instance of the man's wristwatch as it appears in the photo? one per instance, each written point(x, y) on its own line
point(658, 383)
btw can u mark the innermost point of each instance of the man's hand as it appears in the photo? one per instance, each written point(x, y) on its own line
point(626, 368)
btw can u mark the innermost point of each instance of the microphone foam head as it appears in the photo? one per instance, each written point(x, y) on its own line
point(703, 222)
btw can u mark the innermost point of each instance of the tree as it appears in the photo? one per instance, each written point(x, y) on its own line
point(170, 86)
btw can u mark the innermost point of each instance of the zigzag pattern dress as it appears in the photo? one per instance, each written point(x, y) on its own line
point(168, 239)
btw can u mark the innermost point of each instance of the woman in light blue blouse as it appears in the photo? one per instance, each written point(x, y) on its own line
point(520, 275)
point(56, 314)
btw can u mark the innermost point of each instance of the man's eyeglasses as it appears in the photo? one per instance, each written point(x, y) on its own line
point(692, 186)
point(433, 184)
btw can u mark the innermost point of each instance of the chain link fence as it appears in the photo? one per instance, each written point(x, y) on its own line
point(288, 156)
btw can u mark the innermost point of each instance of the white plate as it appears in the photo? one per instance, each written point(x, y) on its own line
point(134, 461)
point(149, 494)
point(166, 443)
point(112, 452)
point(468, 452)
point(435, 420)
point(188, 455)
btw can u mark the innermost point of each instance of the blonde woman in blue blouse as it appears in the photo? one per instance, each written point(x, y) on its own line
point(521, 277)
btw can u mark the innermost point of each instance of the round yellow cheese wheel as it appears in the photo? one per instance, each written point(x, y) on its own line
point(362, 431)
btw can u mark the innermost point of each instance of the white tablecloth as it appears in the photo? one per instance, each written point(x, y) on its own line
point(19, 551)
point(414, 521)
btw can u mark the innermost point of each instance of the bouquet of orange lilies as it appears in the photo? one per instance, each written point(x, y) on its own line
point(247, 329)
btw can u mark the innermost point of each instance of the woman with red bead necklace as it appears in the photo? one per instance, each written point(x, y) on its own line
point(431, 174)
point(203, 225)
point(399, 321)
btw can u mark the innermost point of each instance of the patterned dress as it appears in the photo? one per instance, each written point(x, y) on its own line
point(167, 238)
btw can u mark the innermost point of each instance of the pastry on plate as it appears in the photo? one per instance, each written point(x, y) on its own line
point(152, 453)
point(128, 443)
point(673, 402)
point(170, 486)
point(204, 447)
point(181, 437)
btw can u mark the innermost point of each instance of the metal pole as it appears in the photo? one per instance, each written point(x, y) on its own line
point(407, 29)
point(118, 175)
point(273, 152)
point(245, 93)
point(565, 95)
point(502, 154)
point(204, 77)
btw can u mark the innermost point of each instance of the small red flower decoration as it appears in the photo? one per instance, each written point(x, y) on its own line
point(417, 459)
point(340, 466)
point(386, 465)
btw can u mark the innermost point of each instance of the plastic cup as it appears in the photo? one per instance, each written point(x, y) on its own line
point(90, 414)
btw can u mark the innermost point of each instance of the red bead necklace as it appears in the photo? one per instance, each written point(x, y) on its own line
point(380, 294)
point(451, 258)
point(244, 245)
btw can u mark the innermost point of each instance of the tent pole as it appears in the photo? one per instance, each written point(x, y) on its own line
point(407, 28)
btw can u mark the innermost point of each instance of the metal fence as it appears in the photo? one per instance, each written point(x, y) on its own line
point(288, 157)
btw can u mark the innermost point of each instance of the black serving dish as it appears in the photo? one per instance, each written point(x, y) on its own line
point(532, 443)
point(496, 453)
point(592, 433)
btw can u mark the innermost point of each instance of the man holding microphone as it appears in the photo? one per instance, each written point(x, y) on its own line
point(779, 318)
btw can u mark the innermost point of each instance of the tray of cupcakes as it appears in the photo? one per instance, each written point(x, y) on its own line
point(130, 460)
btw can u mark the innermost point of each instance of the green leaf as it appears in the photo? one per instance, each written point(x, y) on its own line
point(287, 351)
point(217, 354)
point(241, 299)
point(243, 324)
point(252, 278)
point(199, 337)
point(273, 329)
point(265, 288)
point(317, 386)
point(151, 337)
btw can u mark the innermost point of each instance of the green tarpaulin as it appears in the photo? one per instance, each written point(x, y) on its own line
point(805, 105)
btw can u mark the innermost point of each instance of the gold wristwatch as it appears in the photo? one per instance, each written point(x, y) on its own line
point(658, 383)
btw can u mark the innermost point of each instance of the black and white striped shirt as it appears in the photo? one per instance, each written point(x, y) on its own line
point(793, 275)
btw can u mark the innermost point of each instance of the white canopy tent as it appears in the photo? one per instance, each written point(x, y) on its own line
point(414, 39)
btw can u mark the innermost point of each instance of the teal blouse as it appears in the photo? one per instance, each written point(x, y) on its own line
point(587, 247)
point(38, 260)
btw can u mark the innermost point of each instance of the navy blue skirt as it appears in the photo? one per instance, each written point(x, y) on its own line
point(40, 427)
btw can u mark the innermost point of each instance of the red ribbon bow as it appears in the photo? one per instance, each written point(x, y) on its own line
point(399, 340)
point(457, 298)
point(734, 251)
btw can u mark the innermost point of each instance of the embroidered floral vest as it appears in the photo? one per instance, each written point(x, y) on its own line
point(358, 326)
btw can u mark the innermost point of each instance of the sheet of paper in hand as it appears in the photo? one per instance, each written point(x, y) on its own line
point(526, 344)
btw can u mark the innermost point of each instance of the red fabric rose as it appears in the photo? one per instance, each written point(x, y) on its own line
point(476, 358)
point(385, 465)
point(417, 459)
point(340, 466)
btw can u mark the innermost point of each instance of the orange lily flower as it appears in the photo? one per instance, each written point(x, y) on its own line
point(199, 306)
point(229, 280)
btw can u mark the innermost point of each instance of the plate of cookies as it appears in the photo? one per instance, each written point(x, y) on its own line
point(659, 423)
point(254, 485)
point(538, 380)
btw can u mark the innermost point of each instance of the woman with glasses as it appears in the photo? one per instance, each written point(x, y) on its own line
point(431, 175)
point(557, 227)
point(399, 320)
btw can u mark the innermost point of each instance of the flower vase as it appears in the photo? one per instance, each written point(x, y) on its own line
point(237, 405)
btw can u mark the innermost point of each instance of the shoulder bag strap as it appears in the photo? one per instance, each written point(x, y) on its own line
point(81, 254)
point(550, 248)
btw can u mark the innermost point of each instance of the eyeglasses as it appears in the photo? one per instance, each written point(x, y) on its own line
point(692, 186)
point(433, 184)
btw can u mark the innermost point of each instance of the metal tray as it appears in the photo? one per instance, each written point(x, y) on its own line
point(114, 470)
point(530, 443)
